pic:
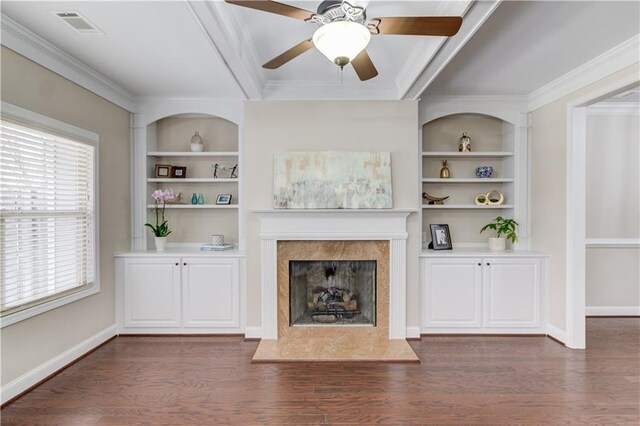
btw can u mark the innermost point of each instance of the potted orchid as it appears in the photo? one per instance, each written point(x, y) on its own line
point(161, 228)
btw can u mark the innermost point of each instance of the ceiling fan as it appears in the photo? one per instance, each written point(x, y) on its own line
point(344, 31)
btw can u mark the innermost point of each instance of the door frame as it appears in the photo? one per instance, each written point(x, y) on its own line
point(576, 205)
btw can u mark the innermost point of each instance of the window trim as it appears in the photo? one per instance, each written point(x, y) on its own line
point(43, 123)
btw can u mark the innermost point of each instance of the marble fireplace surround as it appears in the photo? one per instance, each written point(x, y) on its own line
point(346, 235)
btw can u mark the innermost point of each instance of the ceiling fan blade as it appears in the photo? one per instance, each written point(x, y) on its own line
point(417, 25)
point(285, 57)
point(274, 7)
point(364, 67)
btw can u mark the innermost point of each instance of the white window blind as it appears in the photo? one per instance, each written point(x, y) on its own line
point(47, 217)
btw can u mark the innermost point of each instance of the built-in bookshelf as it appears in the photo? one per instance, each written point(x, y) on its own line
point(168, 144)
point(493, 143)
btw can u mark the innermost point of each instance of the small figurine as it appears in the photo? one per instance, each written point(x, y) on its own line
point(465, 143)
point(444, 171)
point(434, 200)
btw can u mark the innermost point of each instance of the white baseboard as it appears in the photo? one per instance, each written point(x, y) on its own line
point(612, 311)
point(413, 332)
point(253, 332)
point(24, 382)
point(556, 333)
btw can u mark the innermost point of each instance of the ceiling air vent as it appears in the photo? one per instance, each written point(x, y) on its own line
point(78, 22)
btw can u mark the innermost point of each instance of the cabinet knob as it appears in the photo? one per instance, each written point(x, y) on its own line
point(479, 264)
point(185, 263)
point(488, 264)
point(177, 264)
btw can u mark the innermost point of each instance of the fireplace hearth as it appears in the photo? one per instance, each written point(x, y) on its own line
point(332, 292)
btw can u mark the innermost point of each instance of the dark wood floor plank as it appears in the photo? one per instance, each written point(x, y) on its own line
point(461, 380)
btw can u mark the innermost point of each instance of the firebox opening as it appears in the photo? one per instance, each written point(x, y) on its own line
point(332, 292)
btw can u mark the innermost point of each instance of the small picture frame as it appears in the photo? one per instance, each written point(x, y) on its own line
point(163, 171)
point(223, 199)
point(440, 237)
point(179, 172)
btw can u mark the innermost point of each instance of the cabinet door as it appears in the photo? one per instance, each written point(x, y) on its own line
point(152, 292)
point(210, 292)
point(452, 292)
point(511, 292)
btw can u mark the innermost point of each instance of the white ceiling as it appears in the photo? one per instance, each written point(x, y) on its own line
point(148, 48)
point(211, 49)
point(526, 45)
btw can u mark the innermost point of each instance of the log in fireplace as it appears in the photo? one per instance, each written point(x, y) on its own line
point(332, 292)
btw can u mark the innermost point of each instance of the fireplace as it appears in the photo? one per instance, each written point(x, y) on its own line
point(373, 242)
point(332, 292)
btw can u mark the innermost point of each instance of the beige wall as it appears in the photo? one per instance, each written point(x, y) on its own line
point(325, 126)
point(613, 178)
point(613, 209)
point(548, 188)
point(28, 344)
point(613, 277)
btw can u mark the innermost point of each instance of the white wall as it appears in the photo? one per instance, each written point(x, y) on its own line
point(30, 343)
point(549, 187)
point(613, 209)
point(330, 126)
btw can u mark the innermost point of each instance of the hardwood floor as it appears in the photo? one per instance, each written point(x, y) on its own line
point(462, 380)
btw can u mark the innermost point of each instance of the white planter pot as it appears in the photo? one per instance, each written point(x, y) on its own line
point(497, 244)
point(161, 243)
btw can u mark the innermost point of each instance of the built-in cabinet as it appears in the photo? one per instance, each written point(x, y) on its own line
point(178, 293)
point(486, 293)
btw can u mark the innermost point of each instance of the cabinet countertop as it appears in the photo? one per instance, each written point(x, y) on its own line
point(480, 252)
point(180, 252)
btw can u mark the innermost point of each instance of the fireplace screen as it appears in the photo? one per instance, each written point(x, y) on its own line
point(332, 292)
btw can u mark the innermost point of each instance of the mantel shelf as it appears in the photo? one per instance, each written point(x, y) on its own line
point(473, 154)
point(196, 206)
point(192, 154)
point(467, 180)
point(464, 206)
point(193, 180)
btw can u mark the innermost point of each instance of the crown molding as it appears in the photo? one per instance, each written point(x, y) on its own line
point(613, 60)
point(322, 90)
point(30, 45)
point(474, 17)
point(614, 108)
point(232, 43)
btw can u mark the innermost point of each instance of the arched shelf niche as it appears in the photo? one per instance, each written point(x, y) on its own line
point(494, 143)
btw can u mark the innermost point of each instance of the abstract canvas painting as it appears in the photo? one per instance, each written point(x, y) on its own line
point(332, 180)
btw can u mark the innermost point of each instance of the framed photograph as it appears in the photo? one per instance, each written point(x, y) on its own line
point(179, 172)
point(223, 199)
point(440, 237)
point(163, 171)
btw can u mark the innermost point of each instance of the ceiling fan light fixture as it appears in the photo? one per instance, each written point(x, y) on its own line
point(341, 41)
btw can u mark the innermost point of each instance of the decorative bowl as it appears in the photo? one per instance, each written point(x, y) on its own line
point(484, 171)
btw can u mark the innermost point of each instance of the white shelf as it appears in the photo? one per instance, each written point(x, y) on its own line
point(192, 154)
point(194, 180)
point(472, 154)
point(467, 180)
point(464, 206)
point(196, 206)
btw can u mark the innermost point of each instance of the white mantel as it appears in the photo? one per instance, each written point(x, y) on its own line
point(382, 224)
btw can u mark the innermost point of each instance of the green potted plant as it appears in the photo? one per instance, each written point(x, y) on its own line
point(505, 229)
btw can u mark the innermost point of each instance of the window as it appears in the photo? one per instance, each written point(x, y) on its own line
point(47, 216)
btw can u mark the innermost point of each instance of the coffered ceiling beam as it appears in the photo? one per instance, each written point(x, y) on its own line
point(219, 27)
point(475, 16)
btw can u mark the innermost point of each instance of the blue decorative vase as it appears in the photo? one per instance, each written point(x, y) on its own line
point(194, 198)
point(484, 172)
point(200, 198)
